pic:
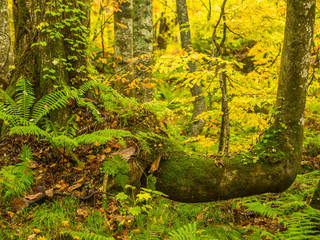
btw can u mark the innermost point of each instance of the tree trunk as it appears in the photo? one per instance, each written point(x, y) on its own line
point(123, 45)
point(274, 162)
point(196, 91)
point(315, 202)
point(6, 57)
point(163, 31)
point(50, 45)
point(142, 49)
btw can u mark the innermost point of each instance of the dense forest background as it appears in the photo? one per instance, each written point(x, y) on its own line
point(156, 119)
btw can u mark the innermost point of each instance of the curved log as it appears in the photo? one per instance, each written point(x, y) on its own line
point(199, 179)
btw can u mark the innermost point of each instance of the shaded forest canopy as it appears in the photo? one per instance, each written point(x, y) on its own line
point(197, 102)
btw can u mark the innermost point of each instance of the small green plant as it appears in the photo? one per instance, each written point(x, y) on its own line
point(117, 168)
point(16, 179)
point(136, 204)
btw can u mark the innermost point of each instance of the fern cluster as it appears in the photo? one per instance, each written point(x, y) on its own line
point(83, 236)
point(117, 168)
point(301, 220)
point(22, 113)
point(16, 179)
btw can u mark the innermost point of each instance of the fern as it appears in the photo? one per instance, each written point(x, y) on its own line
point(84, 235)
point(32, 130)
point(49, 102)
point(103, 136)
point(70, 128)
point(186, 232)
point(89, 105)
point(258, 207)
point(86, 87)
point(302, 225)
point(117, 168)
point(63, 141)
point(9, 107)
point(156, 232)
point(25, 99)
point(15, 179)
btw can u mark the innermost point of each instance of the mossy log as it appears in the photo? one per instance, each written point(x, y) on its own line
point(201, 179)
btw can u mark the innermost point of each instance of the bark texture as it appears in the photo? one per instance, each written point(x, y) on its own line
point(196, 91)
point(142, 49)
point(50, 45)
point(6, 57)
point(123, 45)
point(197, 179)
point(315, 202)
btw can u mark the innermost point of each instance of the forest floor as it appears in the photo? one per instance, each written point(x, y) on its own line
point(67, 201)
point(36, 216)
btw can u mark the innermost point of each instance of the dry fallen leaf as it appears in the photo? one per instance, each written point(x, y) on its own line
point(33, 196)
point(33, 164)
point(126, 153)
point(155, 165)
point(82, 212)
point(49, 192)
point(80, 180)
point(75, 186)
point(31, 236)
point(11, 214)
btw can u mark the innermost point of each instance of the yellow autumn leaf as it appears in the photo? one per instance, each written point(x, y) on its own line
point(37, 230)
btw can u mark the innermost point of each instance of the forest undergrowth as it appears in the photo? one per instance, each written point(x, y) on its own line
point(55, 191)
point(92, 177)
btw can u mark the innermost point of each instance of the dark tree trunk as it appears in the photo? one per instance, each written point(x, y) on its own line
point(197, 92)
point(274, 163)
point(315, 202)
point(163, 30)
point(50, 45)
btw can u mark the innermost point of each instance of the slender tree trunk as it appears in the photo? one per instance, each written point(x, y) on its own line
point(163, 30)
point(123, 45)
point(225, 123)
point(142, 49)
point(274, 163)
point(196, 91)
point(6, 57)
point(217, 48)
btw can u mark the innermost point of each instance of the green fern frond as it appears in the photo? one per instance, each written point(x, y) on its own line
point(86, 87)
point(15, 179)
point(77, 93)
point(24, 99)
point(29, 130)
point(9, 118)
point(103, 136)
point(9, 107)
point(91, 106)
point(71, 127)
point(63, 141)
point(156, 232)
point(262, 209)
point(188, 231)
point(85, 235)
point(302, 225)
point(26, 155)
point(50, 127)
point(51, 101)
